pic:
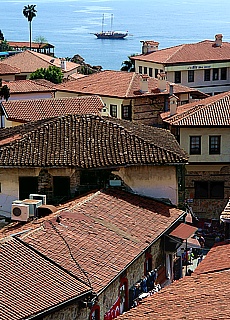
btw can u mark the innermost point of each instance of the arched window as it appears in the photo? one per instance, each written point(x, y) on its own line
point(95, 313)
point(148, 266)
point(123, 294)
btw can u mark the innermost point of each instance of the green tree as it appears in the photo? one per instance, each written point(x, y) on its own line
point(1, 35)
point(128, 65)
point(29, 12)
point(4, 91)
point(40, 40)
point(52, 73)
point(4, 46)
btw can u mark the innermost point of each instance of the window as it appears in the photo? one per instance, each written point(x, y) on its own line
point(148, 263)
point(207, 75)
point(215, 74)
point(113, 110)
point(126, 112)
point(190, 75)
point(209, 189)
point(61, 186)
point(177, 76)
point(156, 73)
point(195, 145)
point(140, 69)
point(145, 70)
point(223, 73)
point(150, 72)
point(95, 313)
point(214, 145)
point(27, 185)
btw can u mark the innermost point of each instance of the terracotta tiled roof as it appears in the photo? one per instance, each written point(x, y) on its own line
point(225, 215)
point(26, 86)
point(89, 141)
point(37, 109)
point(25, 44)
point(30, 284)
point(29, 61)
point(102, 234)
point(212, 111)
point(204, 295)
point(204, 51)
point(117, 84)
point(7, 69)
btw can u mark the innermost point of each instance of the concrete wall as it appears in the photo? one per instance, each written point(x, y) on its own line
point(152, 181)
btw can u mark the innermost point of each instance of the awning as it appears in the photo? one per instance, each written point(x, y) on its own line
point(191, 243)
point(183, 231)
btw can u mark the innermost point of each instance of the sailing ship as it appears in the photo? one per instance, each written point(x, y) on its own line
point(110, 34)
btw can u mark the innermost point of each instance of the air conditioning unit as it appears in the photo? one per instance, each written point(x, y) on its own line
point(20, 212)
point(33, 205)
point(38, 197)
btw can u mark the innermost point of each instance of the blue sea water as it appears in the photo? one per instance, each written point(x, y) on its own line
point(69, 25)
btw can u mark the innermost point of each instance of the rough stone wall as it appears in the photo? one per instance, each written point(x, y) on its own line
point(108, 297)
point(147, 111)
point(134, 273)
point(207, 208)
point(71, 312)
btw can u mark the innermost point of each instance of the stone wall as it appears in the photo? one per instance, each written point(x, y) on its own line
point(147, 111)
point(207, 208)
point(108, 297)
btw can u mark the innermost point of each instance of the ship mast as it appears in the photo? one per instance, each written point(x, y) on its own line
point(103, 19)
point(111, 22)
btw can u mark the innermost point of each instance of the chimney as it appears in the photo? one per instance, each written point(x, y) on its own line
point(63, 64)
point(173, 104)
point(161, 81)
point(144, 83)
point(149, 46)
point(171, 89)
point(218, 40)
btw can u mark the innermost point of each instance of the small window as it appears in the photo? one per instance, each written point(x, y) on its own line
point(190, 75)
point(126, 112)
point(27, 185)
point(156, 73)
point(215, 74)
point(61, 186)
point(214, 145)
point(177, 76)
point(209, 189)
point(150, 72)
point(148, 263)
point(207, 75)
point(223, 73)
point(195, 145)
point(145, 70)
point(113, 110)
point(140, 69)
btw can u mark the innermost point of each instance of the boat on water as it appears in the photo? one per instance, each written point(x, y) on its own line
point(110, 34)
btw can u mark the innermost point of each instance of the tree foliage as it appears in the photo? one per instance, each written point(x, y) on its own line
point(29, 12)
point(4, 46)
point(128, 65)
point(1, 35)
point(4, 91)
point(52, 73)
point(40, 39)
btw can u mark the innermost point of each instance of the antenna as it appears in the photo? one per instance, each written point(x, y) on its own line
point(103, 19)
point(111, 22)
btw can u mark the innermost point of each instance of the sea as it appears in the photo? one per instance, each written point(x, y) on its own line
point(70, 25)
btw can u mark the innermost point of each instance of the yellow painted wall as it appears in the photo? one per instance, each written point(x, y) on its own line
point(151, 181)
point(185, 134)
